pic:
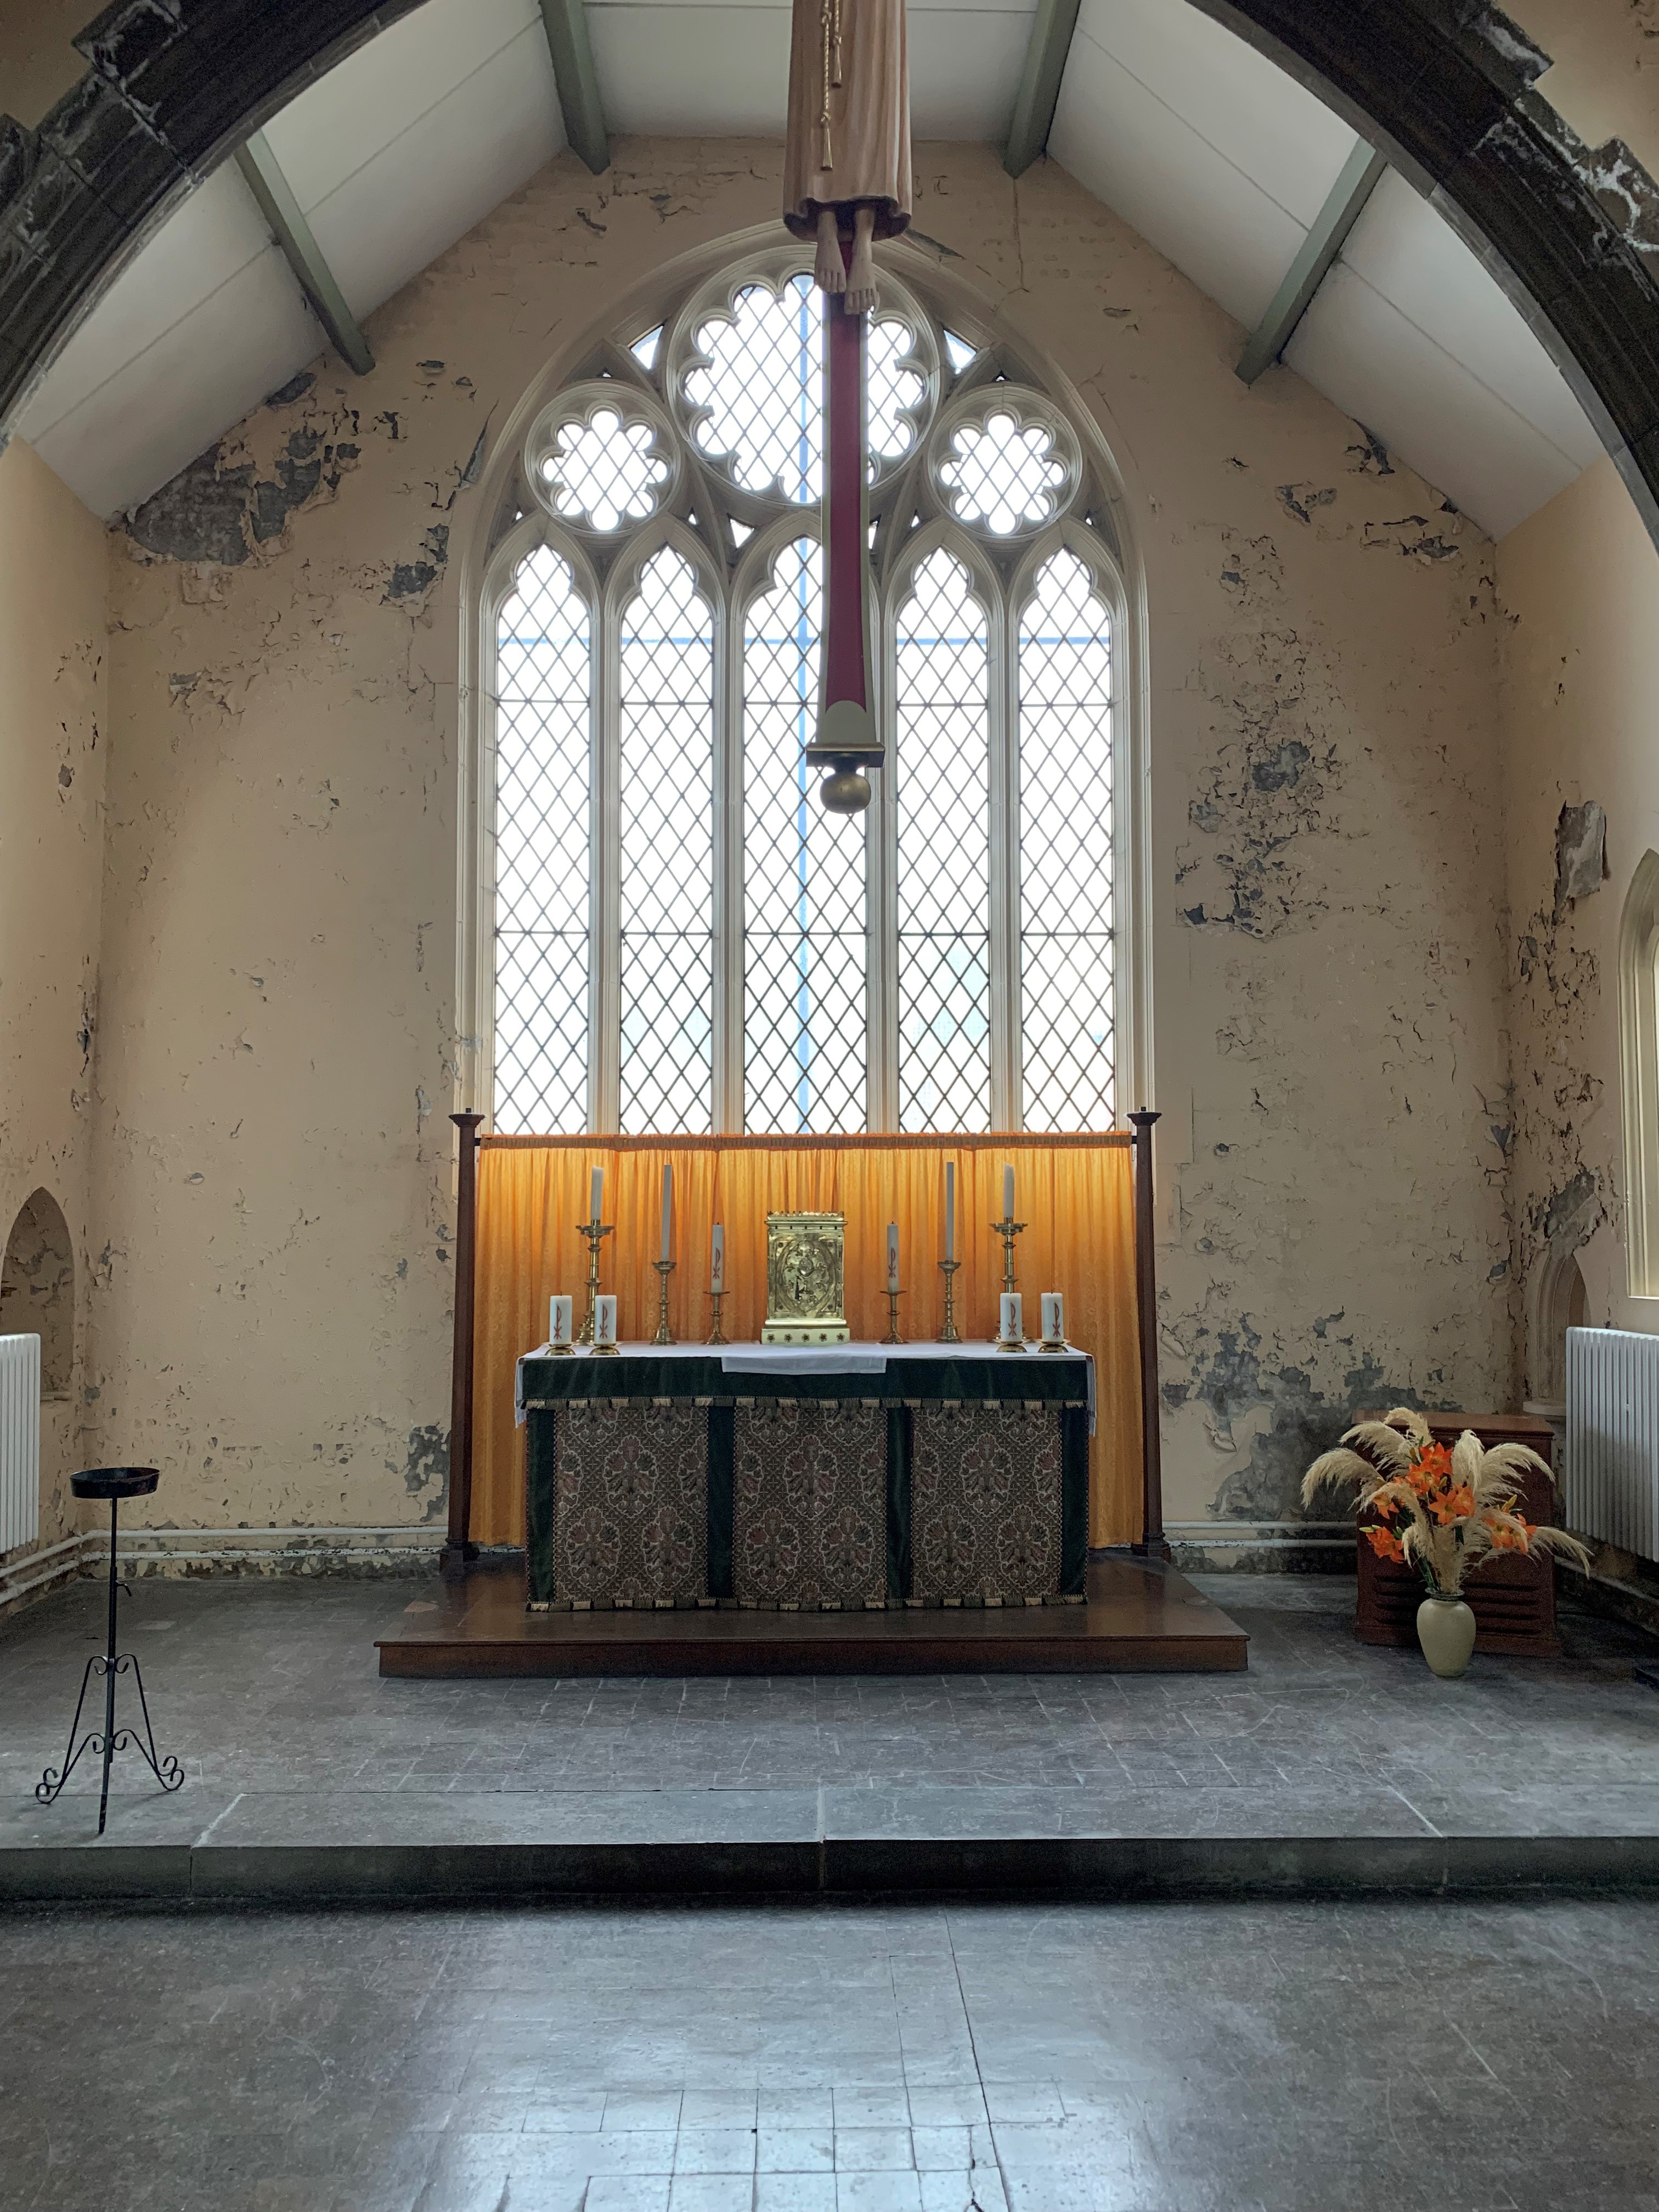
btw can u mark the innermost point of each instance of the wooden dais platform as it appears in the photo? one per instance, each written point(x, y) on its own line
point(1139, 1617)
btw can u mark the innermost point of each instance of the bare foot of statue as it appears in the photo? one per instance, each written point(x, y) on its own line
point(829, 271)
point(861, 277)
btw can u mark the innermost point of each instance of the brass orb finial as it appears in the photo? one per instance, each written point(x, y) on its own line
point(844, 791)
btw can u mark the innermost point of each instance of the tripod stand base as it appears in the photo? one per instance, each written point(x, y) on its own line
point(106, 1742)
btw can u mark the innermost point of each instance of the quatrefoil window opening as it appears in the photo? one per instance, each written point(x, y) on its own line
point(750, 390)
point(1006, 471)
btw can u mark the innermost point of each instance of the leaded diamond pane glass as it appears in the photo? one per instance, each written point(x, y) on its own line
point(759, 399)
point(943, 788)
point(541, 852)
point(1066, 851)
point(1003, 474)
point(605, 472)
point(804, 951)
point(666, 874)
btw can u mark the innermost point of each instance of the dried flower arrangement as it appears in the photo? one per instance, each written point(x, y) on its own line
point(1443, 1509)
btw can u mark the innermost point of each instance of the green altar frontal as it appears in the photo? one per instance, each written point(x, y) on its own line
point(662, 1478)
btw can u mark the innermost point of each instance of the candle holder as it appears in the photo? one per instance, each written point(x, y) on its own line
point(950, 1333)
point(1008, 1229)
point(714, 1336)
point(595, 1231)
point(892, 1335)
point(665, 1335)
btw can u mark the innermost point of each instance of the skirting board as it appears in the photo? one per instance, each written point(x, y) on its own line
point(147, 1553)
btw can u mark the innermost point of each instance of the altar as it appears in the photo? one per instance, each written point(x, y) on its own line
point(853, 1476)
point(906, 1506)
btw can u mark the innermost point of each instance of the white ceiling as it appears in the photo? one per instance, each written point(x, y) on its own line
point(1214, 156)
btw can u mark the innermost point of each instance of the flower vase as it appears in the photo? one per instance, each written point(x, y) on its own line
point(1445, 1629)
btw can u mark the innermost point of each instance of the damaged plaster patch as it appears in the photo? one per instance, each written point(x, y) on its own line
point(219, 509)
point(413, 579)
point(1268, 790)
point(1414, 537)
point(1232, 1385)
point(426, 1468)
point(1581, 854)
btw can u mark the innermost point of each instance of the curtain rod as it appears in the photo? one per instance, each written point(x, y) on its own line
point(1002, 1140)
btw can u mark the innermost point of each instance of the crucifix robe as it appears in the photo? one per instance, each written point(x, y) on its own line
point(848, 141)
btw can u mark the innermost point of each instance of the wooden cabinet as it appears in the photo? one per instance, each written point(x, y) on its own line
point(1512, 1598)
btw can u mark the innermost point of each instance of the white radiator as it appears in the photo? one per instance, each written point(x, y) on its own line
point(1613, 1437)
point(19, 1441)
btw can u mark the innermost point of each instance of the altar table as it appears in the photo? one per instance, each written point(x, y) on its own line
point(842, 1478)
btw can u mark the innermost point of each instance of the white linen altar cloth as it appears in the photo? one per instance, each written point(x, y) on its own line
point(811, 1359)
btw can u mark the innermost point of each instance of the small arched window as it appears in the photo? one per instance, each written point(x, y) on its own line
point(1638, 1022)
point(37, 1288)
point(678, 939)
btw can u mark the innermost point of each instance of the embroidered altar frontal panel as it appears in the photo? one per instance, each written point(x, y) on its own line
point(986, 1503)
point(630, 1502)
point(809, 1503)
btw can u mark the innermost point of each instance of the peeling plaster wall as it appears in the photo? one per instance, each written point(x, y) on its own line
point(54, 566)
point(274, 1293)
point(1579, 587)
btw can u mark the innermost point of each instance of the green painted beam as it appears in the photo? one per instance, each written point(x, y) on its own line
point(265, 180)
point(1357, 181)
point(1039, 84)
point(566, 23)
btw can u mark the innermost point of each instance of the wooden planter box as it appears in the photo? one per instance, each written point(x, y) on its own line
point(1513, 1598)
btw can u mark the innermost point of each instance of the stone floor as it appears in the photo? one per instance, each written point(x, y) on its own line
point(1333, 2057)
point(268, 1692)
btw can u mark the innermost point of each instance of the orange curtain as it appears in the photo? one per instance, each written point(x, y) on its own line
point(1076, 1193)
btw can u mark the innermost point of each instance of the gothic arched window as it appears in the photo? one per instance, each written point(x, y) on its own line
point(678, 939)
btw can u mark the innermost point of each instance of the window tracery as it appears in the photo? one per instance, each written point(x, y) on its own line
point(683, 940)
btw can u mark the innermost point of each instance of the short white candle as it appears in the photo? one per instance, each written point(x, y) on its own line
point(1053, 1318)
point(1012, 1328)
point(892, 1256)
point(949, 1209)
point(667, 1205)
point(604, 1318)
point(1008, 1194)
point(596, 1194)
point(717, 1258)
point(558, 1320)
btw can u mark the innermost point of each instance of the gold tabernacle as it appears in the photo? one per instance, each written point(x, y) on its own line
point(805, 1277)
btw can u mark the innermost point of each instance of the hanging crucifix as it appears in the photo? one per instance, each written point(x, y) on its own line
point(847, 182)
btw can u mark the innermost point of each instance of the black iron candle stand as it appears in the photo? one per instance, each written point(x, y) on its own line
point(113, 1483)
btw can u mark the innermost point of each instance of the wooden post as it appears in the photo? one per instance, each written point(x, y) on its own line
point(460, 1548)
point(1153, 1543)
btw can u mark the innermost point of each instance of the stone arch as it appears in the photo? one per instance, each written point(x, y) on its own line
point(1556, 1300)
point(1446, 92)
point(37, 1288)
point(1638, 1040)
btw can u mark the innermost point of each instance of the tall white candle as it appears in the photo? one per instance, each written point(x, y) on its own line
point(596, 1194)
point(604, 1318)
point(667, 1207)
point(558, 1320)
point(1008, 1194)
point(892, 1256)
point(1053, 1318)
point(1012, 1328)
point(717, 1258)
point(949, 1209)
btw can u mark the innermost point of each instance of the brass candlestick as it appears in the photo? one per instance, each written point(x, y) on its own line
point(948, 1333)
point(665, 1269)
point(892, 1335)
point(714, 1336)
point(595, 1231)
